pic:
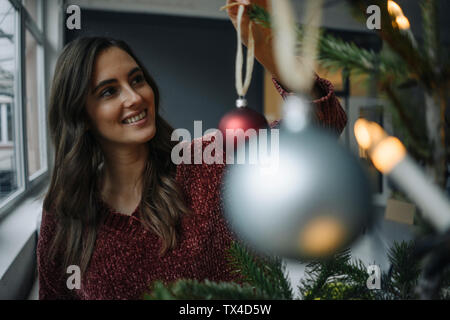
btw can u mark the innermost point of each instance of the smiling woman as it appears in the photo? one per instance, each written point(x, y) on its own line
point(100, 161)
point(117, 206)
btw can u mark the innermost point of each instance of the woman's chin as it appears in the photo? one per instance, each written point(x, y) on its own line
point(141, 136)
point(144, 136)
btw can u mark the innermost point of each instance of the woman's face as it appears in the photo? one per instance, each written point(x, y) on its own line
point(120, 103)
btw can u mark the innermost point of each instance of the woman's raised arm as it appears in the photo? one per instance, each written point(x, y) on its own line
point(327, 109)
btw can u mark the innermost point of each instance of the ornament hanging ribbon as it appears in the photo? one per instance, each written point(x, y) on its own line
point(242, 118)
point(242, 88)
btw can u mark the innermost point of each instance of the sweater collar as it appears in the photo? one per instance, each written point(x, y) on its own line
point(112, 217)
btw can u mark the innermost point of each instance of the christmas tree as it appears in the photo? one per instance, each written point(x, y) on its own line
point(403, 70)
point(338, 277)
point(402, 65)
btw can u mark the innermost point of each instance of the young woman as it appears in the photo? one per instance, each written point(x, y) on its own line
point(117, 207)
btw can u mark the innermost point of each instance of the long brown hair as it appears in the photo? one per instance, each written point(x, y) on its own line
point(72, 194)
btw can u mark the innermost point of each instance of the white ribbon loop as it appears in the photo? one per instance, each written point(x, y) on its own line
point(243, 88)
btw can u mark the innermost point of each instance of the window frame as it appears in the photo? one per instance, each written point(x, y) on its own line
point(27, 185)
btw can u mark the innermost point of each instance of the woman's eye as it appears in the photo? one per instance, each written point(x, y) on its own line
point(107, 92)
point(138, 79)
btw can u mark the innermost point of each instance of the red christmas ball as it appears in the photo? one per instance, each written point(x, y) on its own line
point(241, 118)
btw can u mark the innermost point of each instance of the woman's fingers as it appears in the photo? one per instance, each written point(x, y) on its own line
point(232, 7)
point(234, 3)
point(262, 36)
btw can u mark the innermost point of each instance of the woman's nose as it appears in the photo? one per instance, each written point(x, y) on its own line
point(130, 97)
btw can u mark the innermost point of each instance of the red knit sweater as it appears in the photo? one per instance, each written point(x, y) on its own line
point(125, 260)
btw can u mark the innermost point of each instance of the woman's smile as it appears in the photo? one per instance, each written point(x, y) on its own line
point(136, 120)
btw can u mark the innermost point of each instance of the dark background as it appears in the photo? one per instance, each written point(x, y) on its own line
point(191, 59)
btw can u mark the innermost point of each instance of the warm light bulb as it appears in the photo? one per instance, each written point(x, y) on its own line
point(368, 134)
point(387, 154)
point(402, 22)
point(394, 9)
point(377, 133)
point(362, 133)
point(321, 236)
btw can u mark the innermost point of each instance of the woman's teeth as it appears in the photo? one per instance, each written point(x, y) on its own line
point(136, 118)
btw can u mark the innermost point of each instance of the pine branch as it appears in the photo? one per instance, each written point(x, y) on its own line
point(260, 16)
point(335, 54)
point(265, 274)
point(159, 292)
point(276, 273)
point(265, 277)
point(338, 54)
point(194, 290)
point(341, 278)
point(418, 65)
point(336, 278)
point(318, 273)
point(405, 270)
point(357, 278)
point(387, 289)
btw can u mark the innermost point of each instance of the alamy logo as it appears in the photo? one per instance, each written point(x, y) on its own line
point(74, 280)
point(374, 280)
point(74, 20)
point(374, 20)
point(258, 145)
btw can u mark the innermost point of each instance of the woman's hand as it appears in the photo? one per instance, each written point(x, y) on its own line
point(262, 35)
point(263, 39)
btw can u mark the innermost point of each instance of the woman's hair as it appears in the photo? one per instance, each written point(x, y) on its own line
point(72, 195)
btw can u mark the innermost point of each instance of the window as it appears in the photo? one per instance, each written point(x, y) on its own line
point(35, 121)
point(33, 9)
point(8, 82)
point(23, 156)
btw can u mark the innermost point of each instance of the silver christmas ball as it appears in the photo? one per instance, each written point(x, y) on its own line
point(309, 202)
